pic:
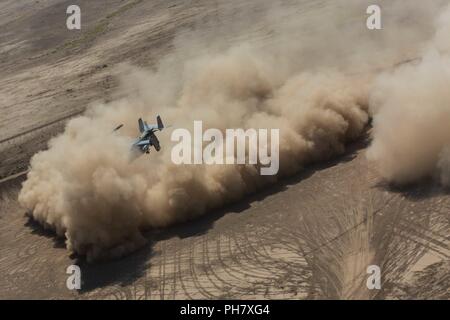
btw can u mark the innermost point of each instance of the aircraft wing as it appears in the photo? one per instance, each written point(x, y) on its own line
point(142, 143)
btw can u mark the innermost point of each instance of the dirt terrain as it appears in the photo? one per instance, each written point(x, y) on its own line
point(311, 236)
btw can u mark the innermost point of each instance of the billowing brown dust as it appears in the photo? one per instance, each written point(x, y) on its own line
point(85, 187)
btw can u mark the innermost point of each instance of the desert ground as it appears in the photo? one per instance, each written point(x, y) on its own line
point(310, 236)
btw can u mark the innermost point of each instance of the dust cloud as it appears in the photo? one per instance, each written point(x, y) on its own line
point(411, 111)
point(312, 79)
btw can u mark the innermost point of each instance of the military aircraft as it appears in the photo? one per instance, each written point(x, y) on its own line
point(147, 139)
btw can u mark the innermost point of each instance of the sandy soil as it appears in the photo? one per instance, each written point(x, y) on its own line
point(314, 236)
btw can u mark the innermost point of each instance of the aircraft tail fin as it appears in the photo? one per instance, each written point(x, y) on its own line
point(160, 123)
point(141, 125)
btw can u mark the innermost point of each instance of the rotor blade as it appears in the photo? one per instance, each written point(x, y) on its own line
point(118, 127)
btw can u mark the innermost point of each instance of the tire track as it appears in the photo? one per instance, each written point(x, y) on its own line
point(181, 281)
point(40, 127)
point(207, 265)
point(196, 281)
